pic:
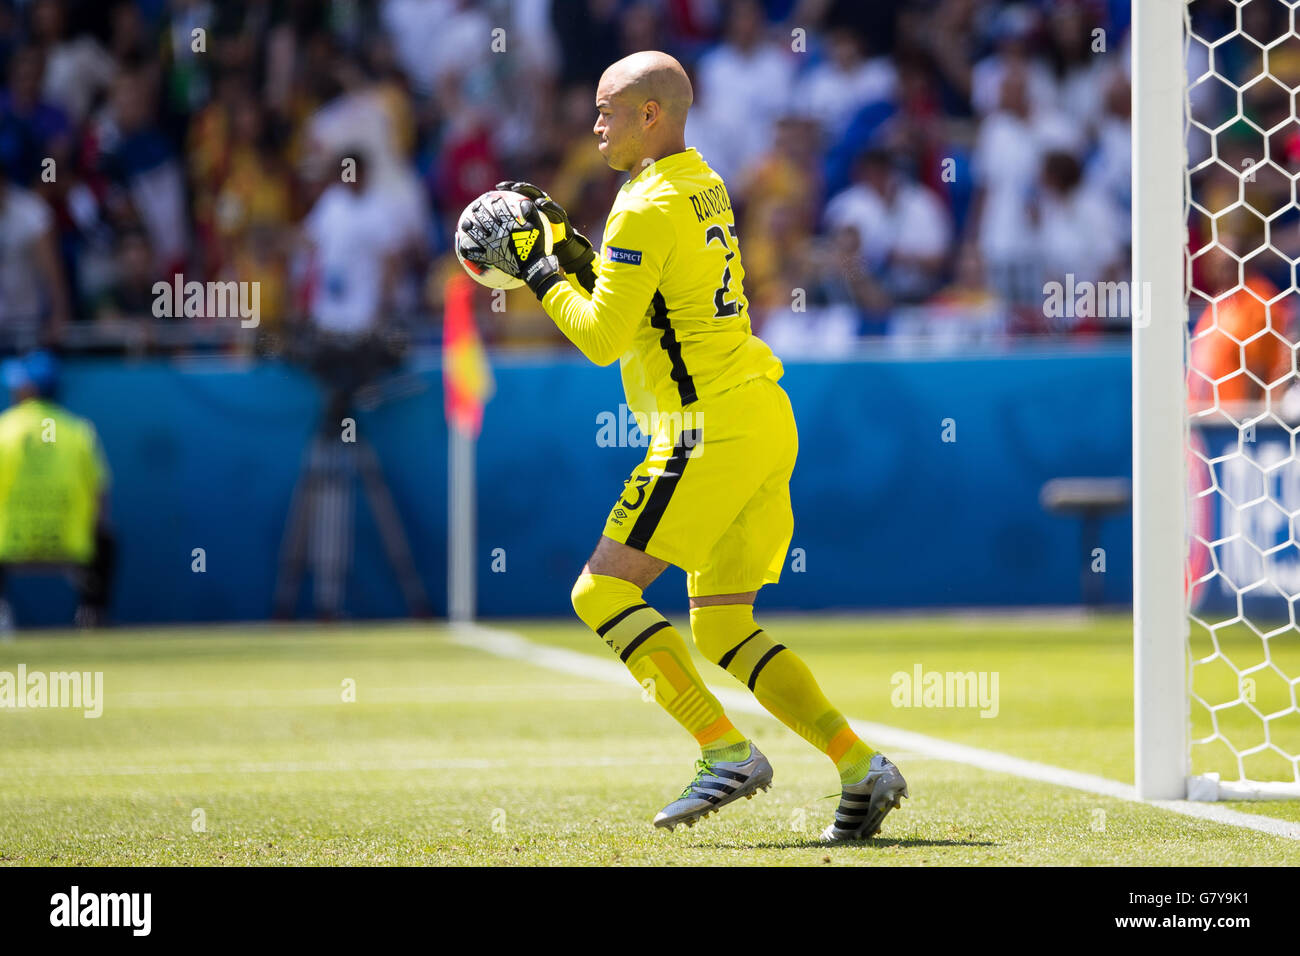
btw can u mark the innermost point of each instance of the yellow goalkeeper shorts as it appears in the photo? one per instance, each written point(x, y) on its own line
point(713, 493)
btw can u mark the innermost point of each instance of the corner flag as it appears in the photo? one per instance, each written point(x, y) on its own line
point(467, 377)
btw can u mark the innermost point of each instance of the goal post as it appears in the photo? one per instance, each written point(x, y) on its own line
point(1216, 401)
point(1160, 624)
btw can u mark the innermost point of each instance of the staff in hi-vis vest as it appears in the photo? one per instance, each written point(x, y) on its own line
point(53, 488)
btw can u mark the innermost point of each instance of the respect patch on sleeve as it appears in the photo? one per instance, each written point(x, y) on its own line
point(630, 256)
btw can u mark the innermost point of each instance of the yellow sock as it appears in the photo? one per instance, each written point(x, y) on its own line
point(727, 635)
point(653, 650)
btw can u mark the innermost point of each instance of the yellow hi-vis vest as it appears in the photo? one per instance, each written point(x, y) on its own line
point(51, 476)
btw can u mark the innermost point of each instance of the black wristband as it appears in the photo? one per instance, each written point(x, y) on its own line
point(576, 263)
point(574, 252)
point(544, 285)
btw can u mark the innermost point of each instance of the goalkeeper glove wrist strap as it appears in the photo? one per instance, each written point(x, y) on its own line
point(574, 252)
point(542, 275)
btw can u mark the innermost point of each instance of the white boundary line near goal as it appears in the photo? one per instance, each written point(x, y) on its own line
point(517, 647)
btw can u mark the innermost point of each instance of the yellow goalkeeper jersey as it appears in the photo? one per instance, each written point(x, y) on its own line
point(668, 300)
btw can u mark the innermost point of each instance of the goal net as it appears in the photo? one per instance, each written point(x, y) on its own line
point(1240, 324)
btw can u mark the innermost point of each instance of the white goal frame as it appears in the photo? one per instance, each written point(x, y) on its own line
point(1161, 703)
point(1162, 664)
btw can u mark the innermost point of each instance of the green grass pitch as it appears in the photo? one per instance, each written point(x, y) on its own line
point(222, 746)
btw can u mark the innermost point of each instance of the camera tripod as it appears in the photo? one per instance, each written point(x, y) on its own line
point(319, 527)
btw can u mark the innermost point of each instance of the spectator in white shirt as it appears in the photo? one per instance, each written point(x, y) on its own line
point(1079, 69)
point(1079, 233)
point(354, 235)
point(435, 39)
point(33, 295)
point(741, 89)
point(905, 229)
point(834, 90)
point(1111, 167)
point(1013, 28)
point(77, 68)
point(1008, 157)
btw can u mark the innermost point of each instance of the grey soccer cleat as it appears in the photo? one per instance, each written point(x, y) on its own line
point(863, 805)
point(716, 785)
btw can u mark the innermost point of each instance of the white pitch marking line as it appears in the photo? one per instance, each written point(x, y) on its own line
point(517, 647)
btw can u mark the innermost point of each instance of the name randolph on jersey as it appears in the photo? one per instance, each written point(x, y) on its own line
point(710, 202)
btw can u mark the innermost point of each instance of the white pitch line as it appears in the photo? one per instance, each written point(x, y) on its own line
point(514, 646)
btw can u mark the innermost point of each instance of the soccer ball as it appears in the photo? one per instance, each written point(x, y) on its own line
point(498, 218)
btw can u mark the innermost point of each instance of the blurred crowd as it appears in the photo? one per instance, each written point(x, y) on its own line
point(899, 167)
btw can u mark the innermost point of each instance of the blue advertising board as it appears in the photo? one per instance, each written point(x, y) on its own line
point(917, 484)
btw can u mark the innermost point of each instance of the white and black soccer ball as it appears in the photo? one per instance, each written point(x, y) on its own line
point(487, 224)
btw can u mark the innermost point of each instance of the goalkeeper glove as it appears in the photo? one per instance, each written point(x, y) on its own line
point(574, 250)
point(495, 238)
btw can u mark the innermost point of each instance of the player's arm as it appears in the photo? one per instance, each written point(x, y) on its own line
point(602, 326)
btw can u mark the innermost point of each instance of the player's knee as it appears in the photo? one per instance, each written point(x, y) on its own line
point(718, 628)
point(727, 635)
point(597, 598)
point(583, 590)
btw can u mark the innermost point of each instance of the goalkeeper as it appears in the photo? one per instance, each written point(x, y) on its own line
point(665, 299)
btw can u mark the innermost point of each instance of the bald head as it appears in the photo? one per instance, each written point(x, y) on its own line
point(651, 75)
point(643, 100)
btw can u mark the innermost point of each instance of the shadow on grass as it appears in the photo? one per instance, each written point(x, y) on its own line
point(875, 843)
